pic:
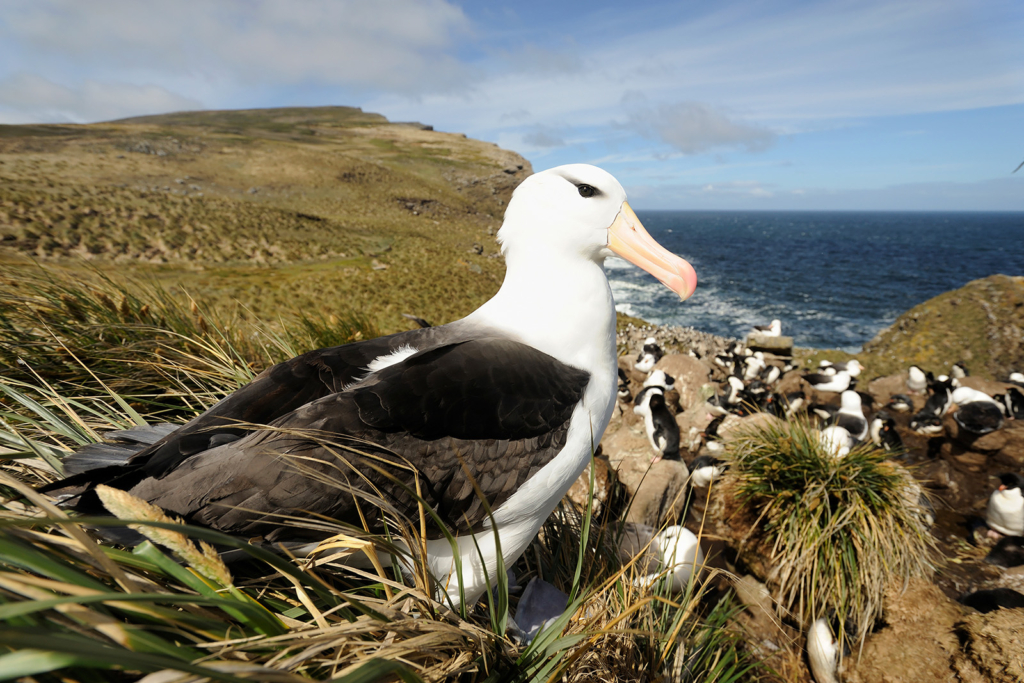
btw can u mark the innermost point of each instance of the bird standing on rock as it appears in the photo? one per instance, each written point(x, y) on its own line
point(515, 397)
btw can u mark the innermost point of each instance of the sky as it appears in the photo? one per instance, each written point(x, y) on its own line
point(727, 105)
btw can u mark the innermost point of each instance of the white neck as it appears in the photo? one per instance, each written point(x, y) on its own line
point(560, 306)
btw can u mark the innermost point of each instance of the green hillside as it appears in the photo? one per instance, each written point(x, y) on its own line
point(317, 211)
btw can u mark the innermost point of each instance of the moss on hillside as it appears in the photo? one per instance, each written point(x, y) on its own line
point(982, 324)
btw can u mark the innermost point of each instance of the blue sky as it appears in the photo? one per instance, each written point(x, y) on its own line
point(728, 105)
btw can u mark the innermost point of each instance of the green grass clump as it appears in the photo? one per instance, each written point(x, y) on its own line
point(839, 531)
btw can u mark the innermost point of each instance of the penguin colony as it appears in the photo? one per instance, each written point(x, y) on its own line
point(749, 382)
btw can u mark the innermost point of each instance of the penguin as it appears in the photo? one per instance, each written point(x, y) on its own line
point(623, 392)
point(939, 402)
point(659, 423)
point(1008, 552)
point(753, 366)
point(705, 469)
point(927, 425)
point(660, 378)
point(917, 380)
point(649, 355)
point(1016, 378)
point(1013, 403)
point(900, 403)
point(771, 374)
point(823, 651)
point(959, 370)
point(794, 401)
point(990, 600)
point(1005, 512)
point(851, 415)
point(883, 432)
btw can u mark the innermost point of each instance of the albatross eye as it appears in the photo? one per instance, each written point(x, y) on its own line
point(586, 190)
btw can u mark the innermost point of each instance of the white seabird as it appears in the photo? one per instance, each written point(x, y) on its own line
point(1005, 512)
point(516, 395)
point(851, 415)
point(773, 330)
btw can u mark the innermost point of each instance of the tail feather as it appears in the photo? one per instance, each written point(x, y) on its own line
point(126, 443)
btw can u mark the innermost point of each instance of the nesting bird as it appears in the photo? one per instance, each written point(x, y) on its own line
point(917, 380)
point(513, 397)
point(1005, 512)
point(836, 441)
point(977, 413)
point(649, 355)
point(772, 330)
point(851, 416)
point(705, 469)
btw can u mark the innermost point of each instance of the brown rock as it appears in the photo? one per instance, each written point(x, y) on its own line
point(629, 454)
point(733, 426)
point(636, 378)
point(918, 642)
point(690, 375)
point(780, 346)
point(660, 495)
point(884, 388)
point(989, 386)
point(993, 646)
point(604, 486)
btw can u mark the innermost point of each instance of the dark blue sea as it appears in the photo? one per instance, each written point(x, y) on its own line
point(834, 279)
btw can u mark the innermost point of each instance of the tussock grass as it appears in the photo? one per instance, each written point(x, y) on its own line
point(840, 532)
point(84, 334)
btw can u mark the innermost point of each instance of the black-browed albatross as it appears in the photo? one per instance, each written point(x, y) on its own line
point(517, 394)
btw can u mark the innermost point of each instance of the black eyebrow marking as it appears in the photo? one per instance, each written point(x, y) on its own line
point(577, 183)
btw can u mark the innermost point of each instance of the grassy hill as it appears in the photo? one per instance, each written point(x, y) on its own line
point(306, 211)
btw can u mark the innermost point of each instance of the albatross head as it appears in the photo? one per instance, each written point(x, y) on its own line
point(579, 210)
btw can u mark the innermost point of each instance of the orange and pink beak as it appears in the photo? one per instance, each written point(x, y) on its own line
point(628, 238)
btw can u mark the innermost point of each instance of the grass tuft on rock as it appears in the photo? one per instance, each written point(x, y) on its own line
point(837, 532)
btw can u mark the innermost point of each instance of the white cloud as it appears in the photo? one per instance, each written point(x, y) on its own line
point(544, 136)
point(401, 45)
point(27, 97)
point(692, 128)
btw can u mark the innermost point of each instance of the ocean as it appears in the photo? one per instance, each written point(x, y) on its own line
point(834, 279)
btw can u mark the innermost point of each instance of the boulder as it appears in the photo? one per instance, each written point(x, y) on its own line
point(1006, 443)
point(660, 495)
point(690, 375)
point(917, 642)
point(605, 483)
point(780, 346)
point(992, 646)
point(629, 454)
point(884, 388)
point(733, 426)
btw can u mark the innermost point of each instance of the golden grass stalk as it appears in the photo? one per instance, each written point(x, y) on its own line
point(204, 559)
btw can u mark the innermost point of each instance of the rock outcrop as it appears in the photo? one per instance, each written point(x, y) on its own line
point(981, 324)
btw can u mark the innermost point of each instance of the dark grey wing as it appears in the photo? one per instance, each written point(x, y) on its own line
point(275, 392)
point(491, 409)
